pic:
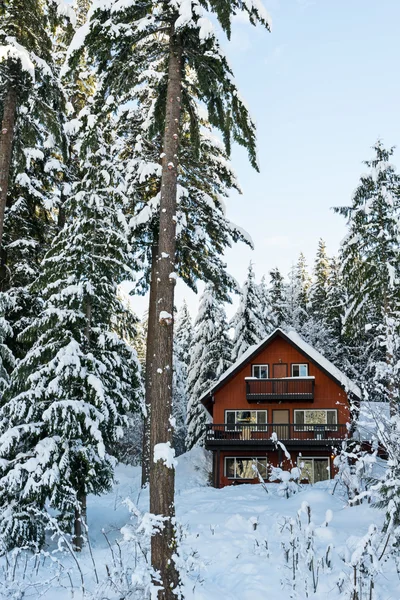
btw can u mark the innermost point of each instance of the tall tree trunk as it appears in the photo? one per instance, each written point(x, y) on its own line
point(162, 477)
point(152, 318)
point(6, 145)
point(80, 522)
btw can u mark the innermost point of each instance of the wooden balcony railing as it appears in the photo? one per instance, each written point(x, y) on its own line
point(270, 432)
point(294, 388)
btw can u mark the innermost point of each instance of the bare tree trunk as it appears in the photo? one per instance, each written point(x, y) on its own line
point(80, 522)
point(162, 477)
point(152, 319)
point(6, 146)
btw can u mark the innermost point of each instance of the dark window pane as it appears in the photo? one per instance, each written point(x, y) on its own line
point(321, 469)
point(230, 467)
point(299, 417)
point(295, 371)
point(261, 417)
point(331, 417)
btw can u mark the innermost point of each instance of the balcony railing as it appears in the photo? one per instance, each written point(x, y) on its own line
point(270, 432)
point(290, 388)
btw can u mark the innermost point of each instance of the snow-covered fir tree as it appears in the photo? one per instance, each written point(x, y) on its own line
point(33, 150)
point(69, 396)
point(183, 340)
point(277, 298)
point(268, 315)
point(317, 294)
point(210, 357)
point(370, 268)
point(248, 321)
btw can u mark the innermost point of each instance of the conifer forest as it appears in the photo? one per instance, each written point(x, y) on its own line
point(122, 128)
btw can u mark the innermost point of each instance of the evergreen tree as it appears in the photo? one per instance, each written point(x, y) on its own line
point(268, 315)
point(210, 357)
point(318, 290)
point(277, 299)
point(32, 151)
point(297, 295)
point(183, 340)
point(370, 266)
point(68, 400)
point(248, 321)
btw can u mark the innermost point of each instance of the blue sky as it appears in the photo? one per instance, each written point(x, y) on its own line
point(322, 87)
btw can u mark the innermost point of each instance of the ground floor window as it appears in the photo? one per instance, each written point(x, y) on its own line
point(314, 468)
point(242, 468)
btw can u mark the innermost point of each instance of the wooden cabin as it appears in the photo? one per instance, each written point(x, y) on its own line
point(281, 390)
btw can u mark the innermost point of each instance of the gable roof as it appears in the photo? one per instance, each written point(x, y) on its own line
point(293, 338)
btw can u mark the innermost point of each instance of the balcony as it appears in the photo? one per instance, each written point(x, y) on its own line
point(268, 434)
point(288, 388)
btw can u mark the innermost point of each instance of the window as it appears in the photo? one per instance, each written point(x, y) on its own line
point(314, 469)
point(260, 371)
point(246, 417)
point(300, 370)
point(242, 468)
point(305, 420)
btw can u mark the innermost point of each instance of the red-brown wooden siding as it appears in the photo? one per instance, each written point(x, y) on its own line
point(327, 393)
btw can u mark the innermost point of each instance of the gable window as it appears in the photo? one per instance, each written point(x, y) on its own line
point(244, 468)
point(259, 371)
point(307, 420)
point(300, 370)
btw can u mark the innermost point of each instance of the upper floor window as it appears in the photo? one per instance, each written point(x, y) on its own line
point(246, 417)
point(259, 371)
point(315, 417)
point(300, 370)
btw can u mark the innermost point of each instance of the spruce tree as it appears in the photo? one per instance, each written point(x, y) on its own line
point(297, 292)
point(277, 298)
point(183, 340)
point(248, 321)
point(370, 265)
point(318, 290)
point(69, 397)
point(210, 357)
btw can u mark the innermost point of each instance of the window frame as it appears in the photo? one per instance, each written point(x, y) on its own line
point(252, 458)
point(311, 426)
point(266, 365)
point(298, 365)
point(328, 458)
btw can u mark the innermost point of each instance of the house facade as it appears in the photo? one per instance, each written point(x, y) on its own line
point(281, 404)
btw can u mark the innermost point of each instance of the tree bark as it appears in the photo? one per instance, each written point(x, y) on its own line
point(162, 478)
point(6, 146)
point(80, 522)
point(152, 318)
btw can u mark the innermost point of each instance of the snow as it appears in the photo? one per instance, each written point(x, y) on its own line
point(15, 51)
point(166, 454)
point(232, 546)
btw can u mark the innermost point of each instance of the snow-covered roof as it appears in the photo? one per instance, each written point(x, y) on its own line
point(305, 348)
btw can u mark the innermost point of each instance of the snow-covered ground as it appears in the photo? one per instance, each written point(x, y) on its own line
point(236, 544)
